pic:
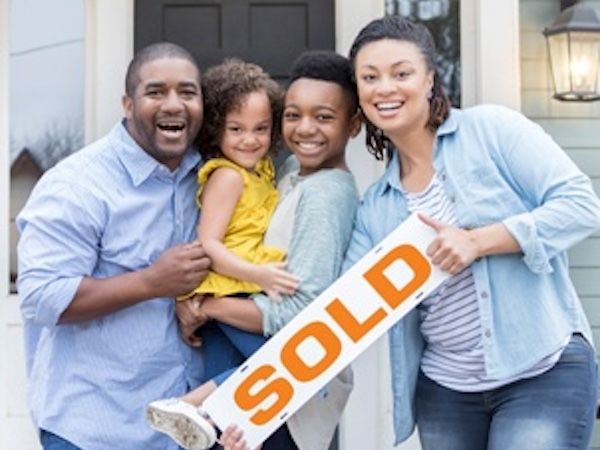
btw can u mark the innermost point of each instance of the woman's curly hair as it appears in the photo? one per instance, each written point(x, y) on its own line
point(225, 88)
point(402, 29)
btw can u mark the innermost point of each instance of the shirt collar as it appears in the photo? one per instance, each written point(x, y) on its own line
point(391, 176)
point(139, 164)
point(450, 125)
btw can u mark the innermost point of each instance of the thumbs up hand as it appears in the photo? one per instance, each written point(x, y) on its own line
point(453, 249)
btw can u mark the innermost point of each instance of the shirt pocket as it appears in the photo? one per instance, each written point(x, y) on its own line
point(490, 197)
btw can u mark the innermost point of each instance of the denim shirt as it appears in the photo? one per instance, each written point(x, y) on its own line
point(496, 166)
point(106, 210)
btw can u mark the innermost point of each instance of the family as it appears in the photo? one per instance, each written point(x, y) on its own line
point(157, 259)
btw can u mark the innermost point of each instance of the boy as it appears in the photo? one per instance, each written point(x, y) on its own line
point(312, 223)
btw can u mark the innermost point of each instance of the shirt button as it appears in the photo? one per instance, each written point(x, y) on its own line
point(452, 199)
point(484, 295)
point(443, 177)
point(488, 334)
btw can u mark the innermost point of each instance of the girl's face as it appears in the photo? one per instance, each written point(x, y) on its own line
point(393, 85)
point(247, 135)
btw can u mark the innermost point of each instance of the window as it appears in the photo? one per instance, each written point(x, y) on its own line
point(442, 18)
point(46, 85)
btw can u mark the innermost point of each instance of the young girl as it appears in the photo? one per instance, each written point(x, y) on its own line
point(242, 108)
point(237, 196)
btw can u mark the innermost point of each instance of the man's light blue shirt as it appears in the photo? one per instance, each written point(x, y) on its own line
point(496, 166)
point(108, 209)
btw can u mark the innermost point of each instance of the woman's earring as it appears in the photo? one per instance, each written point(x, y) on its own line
point(430, 94)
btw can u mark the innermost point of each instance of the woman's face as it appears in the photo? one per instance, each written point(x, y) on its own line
point(393, 85)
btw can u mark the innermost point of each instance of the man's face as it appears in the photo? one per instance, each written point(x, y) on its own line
point(165, 112)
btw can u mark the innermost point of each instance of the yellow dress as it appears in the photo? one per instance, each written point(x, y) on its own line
point(248, 225)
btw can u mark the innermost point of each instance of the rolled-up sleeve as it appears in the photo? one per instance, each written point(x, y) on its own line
point(563, 208)
point(58, 246)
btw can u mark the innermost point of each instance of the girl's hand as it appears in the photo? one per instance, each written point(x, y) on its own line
point(275, 280)
point(233, 439)
point(453, 249)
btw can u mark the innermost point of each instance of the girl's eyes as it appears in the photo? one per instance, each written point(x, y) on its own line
point(263, 129)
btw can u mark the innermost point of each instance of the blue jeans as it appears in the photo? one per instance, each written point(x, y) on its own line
point(224, 348)
point(552, 411)
point(50, 441)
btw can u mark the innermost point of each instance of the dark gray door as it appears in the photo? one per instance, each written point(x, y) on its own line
point(268, 32)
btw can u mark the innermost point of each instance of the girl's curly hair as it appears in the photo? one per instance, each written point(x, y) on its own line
point(225, 88)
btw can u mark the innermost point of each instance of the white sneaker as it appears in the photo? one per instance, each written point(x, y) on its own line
point(183, 422)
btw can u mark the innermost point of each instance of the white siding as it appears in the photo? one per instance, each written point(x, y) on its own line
point(576, 127)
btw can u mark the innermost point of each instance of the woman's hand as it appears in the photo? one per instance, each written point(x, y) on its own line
point(233, 439)
point(275, 280)
point(453, 249)
point(191, 316)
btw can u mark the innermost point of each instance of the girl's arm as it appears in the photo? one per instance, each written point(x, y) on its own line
point(322, 227)
point(219, 198)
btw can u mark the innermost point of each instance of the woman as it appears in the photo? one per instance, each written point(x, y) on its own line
point(500, 356)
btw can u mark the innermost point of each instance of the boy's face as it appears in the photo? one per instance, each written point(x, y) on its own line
point(317, 124)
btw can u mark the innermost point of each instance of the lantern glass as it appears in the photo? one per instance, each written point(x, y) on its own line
point(585, 54)
point(558, 47)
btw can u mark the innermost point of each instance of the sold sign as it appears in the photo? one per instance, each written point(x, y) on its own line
point(328, 334)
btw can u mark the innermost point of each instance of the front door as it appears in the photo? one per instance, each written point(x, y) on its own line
point(270, 33)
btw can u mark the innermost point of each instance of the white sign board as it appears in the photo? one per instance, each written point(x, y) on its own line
point(328, 334)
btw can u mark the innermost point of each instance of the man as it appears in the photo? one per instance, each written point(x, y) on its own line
point(105, 246)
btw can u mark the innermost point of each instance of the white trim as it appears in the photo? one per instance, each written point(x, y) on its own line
point(109, 48)
point(350, 17)
point(491, 65)
point(4, 149)
point(4, 220)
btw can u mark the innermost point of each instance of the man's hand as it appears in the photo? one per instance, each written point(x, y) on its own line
point(190, 315)
point(177, 271)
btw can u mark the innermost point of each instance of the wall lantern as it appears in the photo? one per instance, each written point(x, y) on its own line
point(574, 52)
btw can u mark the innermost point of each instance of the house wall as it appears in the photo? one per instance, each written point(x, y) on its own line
point(22, 182)
point(576, 127)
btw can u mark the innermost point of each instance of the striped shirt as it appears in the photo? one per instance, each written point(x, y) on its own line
point(450, 321)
